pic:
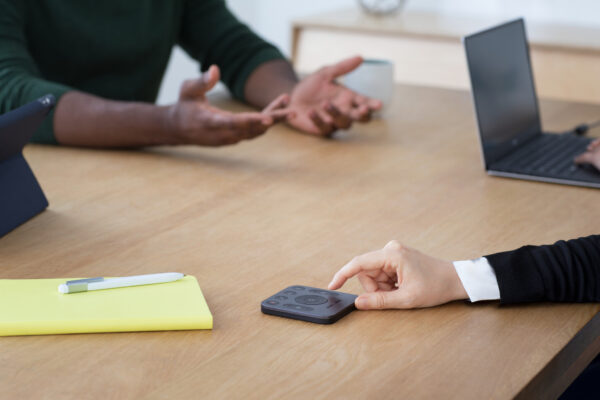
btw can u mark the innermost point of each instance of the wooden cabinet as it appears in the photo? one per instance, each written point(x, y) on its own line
point(426, 49)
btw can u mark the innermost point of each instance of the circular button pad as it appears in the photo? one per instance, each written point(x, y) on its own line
point(309, 304)
point(311, 299)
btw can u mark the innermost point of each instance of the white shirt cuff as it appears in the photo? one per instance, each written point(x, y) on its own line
point(478, 278)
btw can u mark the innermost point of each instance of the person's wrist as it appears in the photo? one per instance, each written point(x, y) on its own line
point(457, 290)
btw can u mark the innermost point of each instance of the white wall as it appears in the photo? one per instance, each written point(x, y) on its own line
point(582, 12)
point(269, 18)
point(272, 20)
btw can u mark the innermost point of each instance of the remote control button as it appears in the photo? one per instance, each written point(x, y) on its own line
point(311, 299)
point(298, 307)
point(280, 297)
point(272, 302)
point(297, 288)
point(323, 292)
point(289, 292)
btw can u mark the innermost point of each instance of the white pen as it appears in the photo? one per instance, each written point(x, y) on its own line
point(84, 285)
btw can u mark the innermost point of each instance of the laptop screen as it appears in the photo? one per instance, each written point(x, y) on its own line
point(503, 89)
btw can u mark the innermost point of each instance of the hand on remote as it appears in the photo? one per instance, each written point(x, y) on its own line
point(398, 276)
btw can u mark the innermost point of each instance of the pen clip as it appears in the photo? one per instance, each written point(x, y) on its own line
point(81, 285)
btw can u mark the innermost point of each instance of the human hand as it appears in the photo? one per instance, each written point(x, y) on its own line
point(400, 277)
point(194, 121)
point(321, 105)
point(591, 155)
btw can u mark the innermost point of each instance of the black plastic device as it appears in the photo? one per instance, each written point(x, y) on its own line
point(21, 196)
point(309, 304)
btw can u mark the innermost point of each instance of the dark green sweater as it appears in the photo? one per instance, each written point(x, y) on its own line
point(116, 49)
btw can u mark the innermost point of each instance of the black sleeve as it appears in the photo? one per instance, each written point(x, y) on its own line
point(567, 271)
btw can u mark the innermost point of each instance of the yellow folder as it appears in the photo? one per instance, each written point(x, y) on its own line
point(35, 307)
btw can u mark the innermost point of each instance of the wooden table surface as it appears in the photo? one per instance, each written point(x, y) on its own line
point(287, 209)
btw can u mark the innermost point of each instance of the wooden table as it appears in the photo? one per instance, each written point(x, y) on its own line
point(288, 209)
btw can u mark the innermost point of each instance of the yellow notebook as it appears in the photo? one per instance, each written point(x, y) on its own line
point(35, 307)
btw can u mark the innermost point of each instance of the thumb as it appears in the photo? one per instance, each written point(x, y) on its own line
point(196, 88)
point(343, 67)
point(377, 301)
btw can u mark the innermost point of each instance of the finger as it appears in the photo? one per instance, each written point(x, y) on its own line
point(323, 127)
point(384, 280)
point(377, 300)
point(280, 102)
point(340, 120)
point(241, 118)
point(211, 77)
point(368, 283)
point(250, 125)
point(585, 158)
point(594, 144)
point(276, 109)
point(232, 128)
point(385, 286)
point(195, 88)
point(393, 245)
point(281, 115)
point(366, 262)
point(343, 67)
point(373, 104)
point(387, 276)
point(361, 113)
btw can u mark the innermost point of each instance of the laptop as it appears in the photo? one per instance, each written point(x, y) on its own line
point(21, 196)
point(508, 119)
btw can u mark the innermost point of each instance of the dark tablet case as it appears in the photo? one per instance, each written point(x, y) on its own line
point(21, 196)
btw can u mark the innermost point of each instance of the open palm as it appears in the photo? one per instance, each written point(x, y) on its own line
point(321, 105)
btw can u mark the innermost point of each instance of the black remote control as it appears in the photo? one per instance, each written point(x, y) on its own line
point(309, 304)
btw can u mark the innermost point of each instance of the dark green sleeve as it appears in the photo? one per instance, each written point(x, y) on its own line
point(20, 81)
point(212, 35)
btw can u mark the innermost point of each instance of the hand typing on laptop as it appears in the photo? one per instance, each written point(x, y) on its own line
point(513, 142)
point(591, 156)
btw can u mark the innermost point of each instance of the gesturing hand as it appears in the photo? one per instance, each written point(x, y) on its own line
point(194, 121)
point(321, 105)
point(400, 277)
point(591, 156)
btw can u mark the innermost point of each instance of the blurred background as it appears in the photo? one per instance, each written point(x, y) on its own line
point(422, 38)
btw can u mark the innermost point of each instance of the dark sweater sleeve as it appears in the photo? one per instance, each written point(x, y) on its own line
point(211, 34)
point(566, 271)
point(20, 81)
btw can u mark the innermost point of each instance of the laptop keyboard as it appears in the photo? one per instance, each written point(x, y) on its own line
point(550, 156)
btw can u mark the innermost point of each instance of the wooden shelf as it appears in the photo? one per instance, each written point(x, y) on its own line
point(427, 50)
